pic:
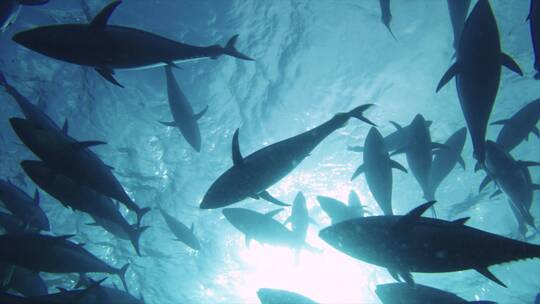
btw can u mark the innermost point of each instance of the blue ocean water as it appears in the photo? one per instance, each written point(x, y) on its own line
point(313, 59)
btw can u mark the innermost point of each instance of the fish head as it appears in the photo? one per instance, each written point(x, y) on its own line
point(368, 239)
point(231, 187)
point(54, 41)
point(30, 133)
point(238, 217)
point(36, 170)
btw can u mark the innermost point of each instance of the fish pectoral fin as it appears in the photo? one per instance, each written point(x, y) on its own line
point(528, 163)
point(201, 113)
point(169, 124)
point(273, 212)
point(535, 187)
point(236, 154)
point(101, 19)
point(510, 64)
point(461, 162)
point(36, 198)
point(400, 151)
point(268, 197)
point(484, 183)
point(461, 221)
point(398, 166)
point(254, 196)
point(355, 148)
point(81, 145)
point(65, 127)
point(496, 193)
point(536, 132)
point(486, 273)
point(402, 276)
point(450, 73)
point(361, 169)
point(435, 145)
point(501, 122)
point(108, 73)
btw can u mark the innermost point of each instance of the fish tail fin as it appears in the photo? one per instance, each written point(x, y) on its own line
point(359, 111)
point(122, 274)
point(231, 50)
point(140, 213)
point(135, 235)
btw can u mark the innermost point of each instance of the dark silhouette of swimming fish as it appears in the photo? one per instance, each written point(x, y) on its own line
point(109, 47)
point(251, 176)
point(411, 243)
point(478, 72)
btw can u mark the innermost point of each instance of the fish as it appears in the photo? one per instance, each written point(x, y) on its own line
point(30, 111)
point(378, 167)
point(251, 176)
point(399, 293)
point(512, 178)
point(445, 160)
point(107, 48)
point(386, 15)
point(517, 128)
point(478, 72)
point(534, 24)
point(181, 232)
point(54, 254)
point(184, 118)
point(413, 243)
point(261, 227)
point(458, 14)
point(469, 202)
point(9, 10)
point(300, 218)
point(24, 207)
point(396, 140)
point(419, 153)
point(279, 296)
point(64, 155)
point(339, 211)
point(79, 197)
point(24, 281)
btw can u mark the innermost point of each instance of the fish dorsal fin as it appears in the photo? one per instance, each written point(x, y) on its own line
point(396, 125)
point(236, 155)
point(273, 212)
point(200, 114)
point(101, 19)
point(36, 198)
point(65, 127)
point(461, 221)
point(81, 145)
point(192, 228)
point(413, 215)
